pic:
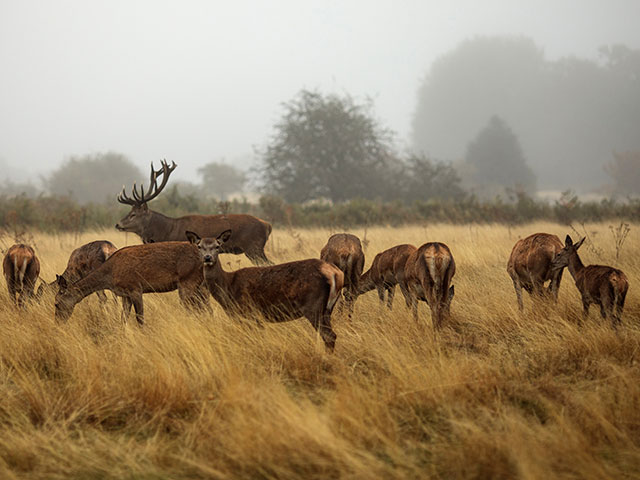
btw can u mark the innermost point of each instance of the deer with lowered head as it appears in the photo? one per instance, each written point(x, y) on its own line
point(250, 234)
point(82, 261)
point(384, 270)
point(133, 271)
point(427, 276)
point(345, 252)
point(279, 293)
point(530, 266)
point(605, 286)
point(21, 270)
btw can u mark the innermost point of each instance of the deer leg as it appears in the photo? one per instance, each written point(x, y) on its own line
point(380, 290)
point(258, 257)
point(350, 300)
point(391, 291)
point(12, 291)
point(126, 308)
point(585, 308)
point(518, 288)
point(138, 306)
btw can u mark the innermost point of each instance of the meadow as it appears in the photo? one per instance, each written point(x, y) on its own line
point(495, 394)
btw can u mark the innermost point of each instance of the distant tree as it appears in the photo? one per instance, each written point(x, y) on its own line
point(624, 169)
point(495, 161)
point(425, 179)
point(93, 178)
point(569, 113)
point(222, 179)
point(327, 146)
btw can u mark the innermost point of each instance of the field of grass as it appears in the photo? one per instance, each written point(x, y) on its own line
point(496, 394)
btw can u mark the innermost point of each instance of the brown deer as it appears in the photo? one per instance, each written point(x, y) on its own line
point(529, 266)
point(427, 276)
point(82, 261)
point(599, 284)
point(279, 293)
point(21, 270)
point(132, 271)
point(345, 252)
point(249, 237)
point(382, 275)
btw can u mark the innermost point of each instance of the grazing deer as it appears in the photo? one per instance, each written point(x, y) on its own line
point(21, 270)
point(599, 284)
point(427, 276)
point(529, 266)
point(132, 271)
point(249, 237)
point(304, 288)
point(82, 261)
point(382, 275)
point(345, 252)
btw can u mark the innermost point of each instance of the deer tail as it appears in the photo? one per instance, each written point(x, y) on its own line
point(335, 285)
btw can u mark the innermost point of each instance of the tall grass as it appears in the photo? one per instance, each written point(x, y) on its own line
point(497, 394)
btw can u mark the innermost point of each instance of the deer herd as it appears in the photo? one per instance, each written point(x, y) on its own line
point(183, 254)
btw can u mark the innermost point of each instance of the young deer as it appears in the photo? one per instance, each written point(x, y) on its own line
point(599, 284)
point(529, 266)
point(305, 288)
point(82, 261)
point(21, 270)
point(345, 252)
point(382, 275)
point(427, 276)
point(132, 271)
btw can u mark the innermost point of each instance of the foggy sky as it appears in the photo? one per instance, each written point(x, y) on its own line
point(196, 81)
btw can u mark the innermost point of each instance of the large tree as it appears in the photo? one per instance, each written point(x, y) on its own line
point(494, 161)
point(328, 146)
point(222, 179)
point(569, 113)
point(93, 178)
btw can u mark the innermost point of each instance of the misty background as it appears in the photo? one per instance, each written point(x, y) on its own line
point(553, 86)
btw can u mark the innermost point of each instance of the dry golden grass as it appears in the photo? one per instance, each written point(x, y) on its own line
point(496, 395)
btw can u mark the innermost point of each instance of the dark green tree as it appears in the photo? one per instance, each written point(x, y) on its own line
point(494, 161)
point(222, 179)
point(96, 177)
point(328, 146)
point(425, 179)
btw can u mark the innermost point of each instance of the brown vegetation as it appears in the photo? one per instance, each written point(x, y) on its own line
point(495, 394)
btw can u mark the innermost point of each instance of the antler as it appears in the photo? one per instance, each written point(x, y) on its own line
point(154, 189)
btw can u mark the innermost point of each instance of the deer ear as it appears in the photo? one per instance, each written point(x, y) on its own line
point(579, 244)
point(567, 241)
point(224, 236)
point(192, 237)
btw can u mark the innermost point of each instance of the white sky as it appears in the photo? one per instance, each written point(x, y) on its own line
point(194, 81)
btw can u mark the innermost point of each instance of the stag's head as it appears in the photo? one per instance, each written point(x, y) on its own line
point(138, 218)
point(65, 300)
point(561, 259)
point(209, 248)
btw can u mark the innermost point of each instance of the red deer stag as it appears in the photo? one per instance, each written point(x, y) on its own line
point(599, 284)
point(305, 288)
point(21, 270)
point(382, 275)
point(249, 237)
point(345, 252)
point(82, 261)
point(529, 266)
point(132, 271)
point(427, 276)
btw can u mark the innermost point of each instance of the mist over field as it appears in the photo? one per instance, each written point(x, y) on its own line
point(205, 82)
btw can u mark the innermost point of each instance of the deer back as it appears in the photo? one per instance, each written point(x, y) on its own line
point(531, 258)
point(345, 252)
point(21, 265)
point(594, 280)
point(432, 266)
point(87, 258)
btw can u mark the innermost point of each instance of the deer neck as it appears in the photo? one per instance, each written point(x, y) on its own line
point(158, 228)
point(219, 283)
point(575, 265)
point(366, 283)
point(93, 282)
